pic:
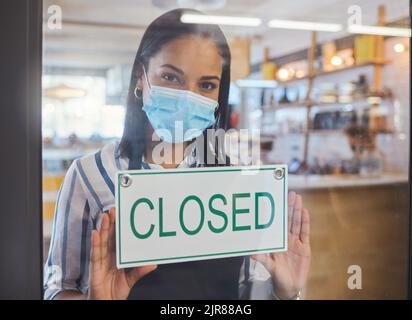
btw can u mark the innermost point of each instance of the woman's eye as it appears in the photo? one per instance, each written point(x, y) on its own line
point(209, 86)
point(170, 77)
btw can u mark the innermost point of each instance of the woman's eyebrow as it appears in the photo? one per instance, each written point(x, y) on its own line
point(210, 78)
point(174, 68)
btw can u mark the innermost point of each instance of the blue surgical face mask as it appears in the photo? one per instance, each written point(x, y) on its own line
point(178, 115)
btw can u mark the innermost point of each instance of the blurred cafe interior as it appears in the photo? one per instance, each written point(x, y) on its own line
point(330, 101)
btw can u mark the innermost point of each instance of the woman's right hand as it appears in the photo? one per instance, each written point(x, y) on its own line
point(106, 281)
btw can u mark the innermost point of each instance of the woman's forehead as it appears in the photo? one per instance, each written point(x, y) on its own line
point(189, 54)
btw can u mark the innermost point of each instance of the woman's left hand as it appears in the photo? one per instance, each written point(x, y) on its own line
point(289, 269)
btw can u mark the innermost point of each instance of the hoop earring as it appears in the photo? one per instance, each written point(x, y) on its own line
point(136, 94)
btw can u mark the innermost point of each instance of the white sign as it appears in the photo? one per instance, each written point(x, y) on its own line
point(176, 215)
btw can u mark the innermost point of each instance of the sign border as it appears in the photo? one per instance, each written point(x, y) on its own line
point(148, 172)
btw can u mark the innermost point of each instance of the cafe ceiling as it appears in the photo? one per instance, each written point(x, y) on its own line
point(102, 33)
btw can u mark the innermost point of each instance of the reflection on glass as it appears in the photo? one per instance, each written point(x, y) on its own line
point(338, 116)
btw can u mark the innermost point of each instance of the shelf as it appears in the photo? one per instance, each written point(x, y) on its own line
point(291, 134)
point(326, 73)
point(356, 66)
point(291, 105)
point(314, 78)
point(336, 131)
point(325, 132)
point(280, 82)
point(331, 104)
point(353, 67)
point(354, 103)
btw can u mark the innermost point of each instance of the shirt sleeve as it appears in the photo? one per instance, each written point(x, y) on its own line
point(69, 253)
point(255, 282)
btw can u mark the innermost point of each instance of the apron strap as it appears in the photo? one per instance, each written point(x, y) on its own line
point(145, 166)
point(134, 164)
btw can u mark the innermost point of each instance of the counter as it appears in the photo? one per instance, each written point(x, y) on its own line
point(330, 181)
point(362, 222)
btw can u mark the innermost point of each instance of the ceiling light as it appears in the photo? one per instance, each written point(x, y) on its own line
point(381, 31)
point(222, 20)
point(304, 25)
point(336, 61)
point(374, 100)
point(283, 74)
point(196, 4)
point(399, 47)
point(300, 74)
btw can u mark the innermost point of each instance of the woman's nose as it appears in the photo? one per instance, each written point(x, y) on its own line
point(193, 87)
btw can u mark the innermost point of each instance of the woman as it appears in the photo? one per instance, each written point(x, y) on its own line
point(185, 66)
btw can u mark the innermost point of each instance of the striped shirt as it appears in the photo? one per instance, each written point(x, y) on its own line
point(86, 192)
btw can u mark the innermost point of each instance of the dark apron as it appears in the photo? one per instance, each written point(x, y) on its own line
point(214, 279)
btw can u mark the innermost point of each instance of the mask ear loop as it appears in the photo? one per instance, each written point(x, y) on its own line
point(146, 77)
point(147, 82)
point(215, 125)
point(212, 144)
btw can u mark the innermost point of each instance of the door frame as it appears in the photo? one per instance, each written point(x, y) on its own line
point(21, 235)
point(21, 161)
